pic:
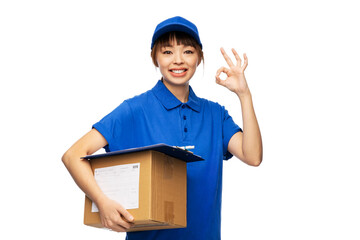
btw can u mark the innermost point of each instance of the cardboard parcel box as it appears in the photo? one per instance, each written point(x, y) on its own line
point(150, 182)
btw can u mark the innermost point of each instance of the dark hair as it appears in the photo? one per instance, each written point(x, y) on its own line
point(181, 38)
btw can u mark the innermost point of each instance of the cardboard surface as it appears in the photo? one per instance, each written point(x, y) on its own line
point(162, 190)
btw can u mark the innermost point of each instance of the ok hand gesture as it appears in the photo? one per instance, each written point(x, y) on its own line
point(235, 80)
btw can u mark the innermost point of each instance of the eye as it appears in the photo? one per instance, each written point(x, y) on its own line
point(167, 52)
point(189, 52)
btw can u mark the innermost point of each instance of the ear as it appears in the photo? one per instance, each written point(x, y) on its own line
point(154, 62)
point(199, 61)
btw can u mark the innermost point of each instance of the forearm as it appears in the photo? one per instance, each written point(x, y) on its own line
point(251, 143)
point(112, 214)
point(247, 145)
point(80, 170)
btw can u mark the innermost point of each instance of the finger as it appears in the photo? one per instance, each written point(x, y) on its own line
point(237, 57)
point(124, 213)
point(112, 225)
point(218, 73)
point(123, 223)
point(227, 58)
point(127, 216)
point(118, 223)
point(219, 81)
point(217, 76)
point(245, 61)
point(115, 227)
point(222, 69)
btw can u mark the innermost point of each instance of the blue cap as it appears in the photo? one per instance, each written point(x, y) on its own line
point(178, 24)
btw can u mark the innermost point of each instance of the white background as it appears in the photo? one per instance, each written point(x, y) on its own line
point(65, 64)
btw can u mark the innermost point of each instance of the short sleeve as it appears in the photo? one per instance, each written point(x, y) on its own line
point(229, 129)
point(116, 127)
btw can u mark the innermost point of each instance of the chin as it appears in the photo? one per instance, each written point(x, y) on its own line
point(176, 82)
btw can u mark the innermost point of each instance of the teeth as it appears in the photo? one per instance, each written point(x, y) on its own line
point(178, 71)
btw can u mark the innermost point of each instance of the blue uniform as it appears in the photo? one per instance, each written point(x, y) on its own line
point(157, 116)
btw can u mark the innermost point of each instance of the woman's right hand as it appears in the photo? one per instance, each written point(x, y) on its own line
point(114, 216)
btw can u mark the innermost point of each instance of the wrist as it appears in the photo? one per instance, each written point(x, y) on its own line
point(244, 95)
point(100, 199)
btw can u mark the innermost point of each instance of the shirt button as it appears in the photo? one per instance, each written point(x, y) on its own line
point(185, 130)
point(183, 106)
point(184, 117)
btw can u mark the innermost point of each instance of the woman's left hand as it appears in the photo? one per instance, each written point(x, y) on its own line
point(235, 80)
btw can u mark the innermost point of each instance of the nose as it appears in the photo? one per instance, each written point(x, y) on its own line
point(178, 58)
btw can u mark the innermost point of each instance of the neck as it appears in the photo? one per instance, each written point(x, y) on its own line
point(181, 92)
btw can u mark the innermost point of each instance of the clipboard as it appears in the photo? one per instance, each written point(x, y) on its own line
point(175, 152)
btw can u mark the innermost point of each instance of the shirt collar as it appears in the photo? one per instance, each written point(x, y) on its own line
point(169, 101)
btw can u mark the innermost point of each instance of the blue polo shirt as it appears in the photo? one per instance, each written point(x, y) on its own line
point(157, 116)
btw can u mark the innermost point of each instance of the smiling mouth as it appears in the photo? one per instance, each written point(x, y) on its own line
point(178, 71)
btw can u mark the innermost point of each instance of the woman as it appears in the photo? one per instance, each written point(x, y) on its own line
point(171, 113)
